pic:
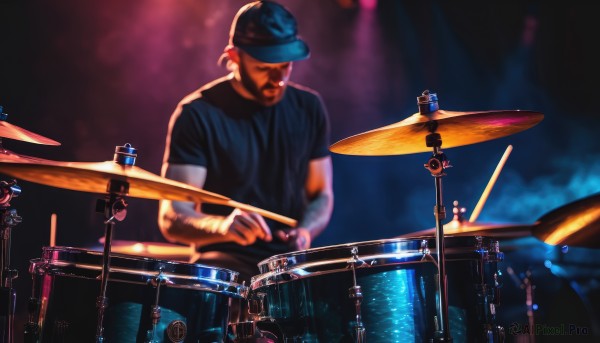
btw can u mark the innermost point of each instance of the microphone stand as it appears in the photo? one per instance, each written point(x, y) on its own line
point(428, 103)
point(8, 295)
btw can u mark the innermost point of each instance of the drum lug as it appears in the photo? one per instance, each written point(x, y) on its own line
point(256, 304)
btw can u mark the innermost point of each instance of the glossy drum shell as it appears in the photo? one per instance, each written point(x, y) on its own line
point(307, 296)
point(194, 299)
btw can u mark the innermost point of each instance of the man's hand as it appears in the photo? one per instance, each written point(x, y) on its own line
point(246, 227)
point(297, 239)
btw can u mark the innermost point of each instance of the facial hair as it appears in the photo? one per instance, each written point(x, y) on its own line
point(258, 92)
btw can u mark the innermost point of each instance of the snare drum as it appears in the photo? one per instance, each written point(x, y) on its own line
point(193, 300)
point(385, 289)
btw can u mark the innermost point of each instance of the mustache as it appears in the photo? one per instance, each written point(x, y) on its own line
point(272, 85)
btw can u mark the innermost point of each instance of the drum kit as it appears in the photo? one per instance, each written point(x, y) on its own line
point(439, 285)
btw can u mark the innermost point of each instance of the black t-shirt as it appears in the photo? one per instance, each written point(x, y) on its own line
point(254, 154)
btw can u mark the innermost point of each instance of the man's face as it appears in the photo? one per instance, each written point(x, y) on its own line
point(265, 81)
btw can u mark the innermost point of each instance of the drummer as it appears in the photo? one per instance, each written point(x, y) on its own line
point(257, 138)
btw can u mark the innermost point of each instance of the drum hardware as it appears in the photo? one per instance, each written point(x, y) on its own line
point(307, 301)
point(256, 304)
point(355, 294)
point(488, 296)
point(159, 280)
point(31, 332)
point(8, 295)
point(248, 332)
point(436, 165)
point(115, 208)
point(194, 305)
point(457, 129)
point(525, 283)
point(10, 219)
point(116, 179)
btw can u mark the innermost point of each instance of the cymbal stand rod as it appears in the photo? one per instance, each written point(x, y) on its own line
point(102, 300)
point(115, 208)
point(8, 295)
point(428, 104)
point(436, 166)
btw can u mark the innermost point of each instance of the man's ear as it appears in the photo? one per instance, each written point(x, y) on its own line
point(233, 54)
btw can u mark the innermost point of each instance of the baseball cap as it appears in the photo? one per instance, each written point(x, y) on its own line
point(268, 32)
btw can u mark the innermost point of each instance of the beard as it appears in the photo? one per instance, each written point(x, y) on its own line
point(267, 95)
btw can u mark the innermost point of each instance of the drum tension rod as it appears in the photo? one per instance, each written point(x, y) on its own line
point(159, 280)
point(355, 293)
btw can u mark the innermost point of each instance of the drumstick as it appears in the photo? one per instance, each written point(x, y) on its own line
point(53, 229)
point(277, 217)
point(267, 214)
point(489, 186)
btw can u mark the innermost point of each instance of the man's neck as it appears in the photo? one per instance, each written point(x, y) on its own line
point(239, 88)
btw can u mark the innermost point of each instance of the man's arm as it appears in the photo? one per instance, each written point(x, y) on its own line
point(183, 222)
point(319, 190)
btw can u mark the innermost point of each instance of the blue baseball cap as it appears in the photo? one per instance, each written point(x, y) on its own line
point(268, 32)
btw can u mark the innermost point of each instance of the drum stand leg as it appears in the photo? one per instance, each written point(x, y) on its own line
point(428, 103)
point(8, 295)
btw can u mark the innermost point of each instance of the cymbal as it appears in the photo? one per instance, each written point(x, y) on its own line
point(575, 224)
point(455, 228)
point(9, 156)
point(455, 128)
point(11, 131)
point(94, 177)
point(158, 250)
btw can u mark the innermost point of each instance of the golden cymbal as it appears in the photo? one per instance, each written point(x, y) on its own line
point(455, 128)
point(94, 177)
point(158, 250)
point(11, 131)
point(455, 228)
point(575, 224)
point(9, 156)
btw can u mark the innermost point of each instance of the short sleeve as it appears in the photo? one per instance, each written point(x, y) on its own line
point(322, 130)
point(187, 139)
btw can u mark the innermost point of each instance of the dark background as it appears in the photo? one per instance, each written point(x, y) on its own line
point(97, 74)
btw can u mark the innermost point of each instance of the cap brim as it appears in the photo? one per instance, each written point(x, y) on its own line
point(293, 51)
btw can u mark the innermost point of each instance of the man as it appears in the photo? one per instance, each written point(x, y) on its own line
point(256, 138)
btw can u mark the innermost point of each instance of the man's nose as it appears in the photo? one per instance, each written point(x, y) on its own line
point(277, 77)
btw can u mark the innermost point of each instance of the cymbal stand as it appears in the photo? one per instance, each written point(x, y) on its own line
point(428, 103)
point(8, 220)
point(114, 208)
